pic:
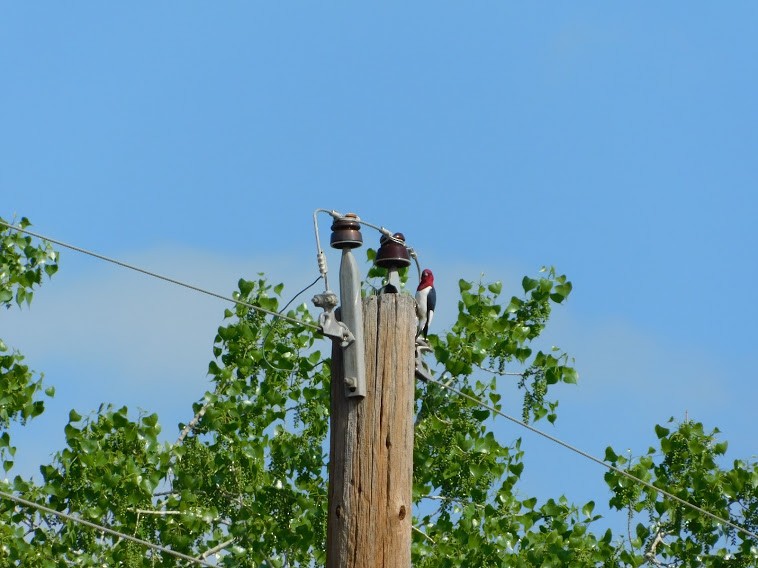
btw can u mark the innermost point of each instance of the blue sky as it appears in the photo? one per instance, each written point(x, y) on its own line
point(617, 143)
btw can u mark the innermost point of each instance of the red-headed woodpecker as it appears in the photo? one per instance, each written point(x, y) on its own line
point(426, 301)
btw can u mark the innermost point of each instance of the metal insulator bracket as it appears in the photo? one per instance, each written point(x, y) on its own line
point(337, 330)
point(329, 325)
point(422, 370)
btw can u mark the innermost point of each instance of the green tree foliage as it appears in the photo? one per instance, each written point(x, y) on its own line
point(243, 482)
point(663, 531)
point(22, 265)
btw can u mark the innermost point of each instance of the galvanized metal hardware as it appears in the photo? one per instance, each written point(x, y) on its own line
point(346, 235)
point(328, 322)
point(422, 370)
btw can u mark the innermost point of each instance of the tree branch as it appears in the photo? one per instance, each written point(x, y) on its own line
point(218, 548)
point(422, 533)
point(192, 423)
point(498, 371)
point(650, 553)
point(453, 500)
point(160, 513)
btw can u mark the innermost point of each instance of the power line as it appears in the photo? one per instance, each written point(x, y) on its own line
point(594, 459)
point(103, 529)
point(313, 326)
point(158, 276)
point(273, 323)
point(336, 215)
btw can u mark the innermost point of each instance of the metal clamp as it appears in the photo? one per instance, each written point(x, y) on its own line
point(330, 326)
point(422, 371)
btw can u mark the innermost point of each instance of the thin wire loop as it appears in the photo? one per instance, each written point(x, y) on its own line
point(594, 459)
point(112, 532)
point(158, 276)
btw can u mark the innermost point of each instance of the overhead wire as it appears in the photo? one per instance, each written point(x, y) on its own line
point(103, 529)
point(321, 257)
point(273, 323)
point(590, 457)
point(387, 233)
point(279, 315)
point(158, 276)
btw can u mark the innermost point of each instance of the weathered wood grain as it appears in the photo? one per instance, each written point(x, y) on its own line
point(371, 445)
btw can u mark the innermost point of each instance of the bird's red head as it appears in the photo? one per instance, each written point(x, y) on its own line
point(427, 279)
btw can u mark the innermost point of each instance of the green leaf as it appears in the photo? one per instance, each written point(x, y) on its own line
point(495, 287)
point(529, 283)
point(661, 432)
point(478, 469)
point(610, 455)
point(570, 375)
point(514, 305)
point(74, 416)
point(588, 508)
point(150, 420)
point(720, 448)
point(245, 286)
point(516, 468)
point(529, 503)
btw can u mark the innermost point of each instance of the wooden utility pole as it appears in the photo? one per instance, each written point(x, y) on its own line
point(371, 465)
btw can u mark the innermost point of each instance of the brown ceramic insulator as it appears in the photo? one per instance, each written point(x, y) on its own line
point(346, 232)
point(392, 254)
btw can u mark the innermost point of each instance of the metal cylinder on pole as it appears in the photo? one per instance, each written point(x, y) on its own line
point(346, 235)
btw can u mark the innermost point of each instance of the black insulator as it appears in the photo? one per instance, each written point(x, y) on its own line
point(346, 232)
point(392, 254)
